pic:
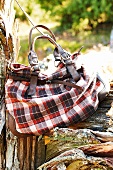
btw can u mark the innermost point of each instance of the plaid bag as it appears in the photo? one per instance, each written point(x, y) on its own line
point(39, 102)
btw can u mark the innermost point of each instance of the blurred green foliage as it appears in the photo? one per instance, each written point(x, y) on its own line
point(74, 14)
point(28, 7)
point(79, 14)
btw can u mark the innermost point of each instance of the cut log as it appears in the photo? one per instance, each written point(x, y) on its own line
point(101, 150)
point(15, 153)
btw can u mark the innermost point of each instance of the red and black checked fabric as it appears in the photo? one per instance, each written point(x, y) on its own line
point(53, 105)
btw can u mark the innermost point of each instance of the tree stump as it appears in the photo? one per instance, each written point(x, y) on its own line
point(15, 153)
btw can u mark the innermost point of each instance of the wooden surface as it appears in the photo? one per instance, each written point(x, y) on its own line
point(2, 150)
point(24, 153)
point(15, 153)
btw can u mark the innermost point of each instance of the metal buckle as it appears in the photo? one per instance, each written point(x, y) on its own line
point(65, 56)
point(48, 82)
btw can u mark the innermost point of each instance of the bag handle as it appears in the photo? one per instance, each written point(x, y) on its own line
point(64, 55)
point(42, 37)
point(44, 27)
point(33, 59)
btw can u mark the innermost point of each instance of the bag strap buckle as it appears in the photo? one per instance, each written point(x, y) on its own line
point(48, 82)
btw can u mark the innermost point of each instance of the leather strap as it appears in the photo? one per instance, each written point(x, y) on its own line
point(33, 84)
point(72, 70)
point(34, 79)
point(67, 84)
point(42, 37)
point(32, 57)
point(44, 27)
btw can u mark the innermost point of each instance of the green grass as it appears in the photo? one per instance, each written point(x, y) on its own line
point(68, 40)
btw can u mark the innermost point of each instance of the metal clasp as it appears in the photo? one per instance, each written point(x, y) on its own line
point(48, 81)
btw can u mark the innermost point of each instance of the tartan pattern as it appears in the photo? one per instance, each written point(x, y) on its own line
point(53, 104)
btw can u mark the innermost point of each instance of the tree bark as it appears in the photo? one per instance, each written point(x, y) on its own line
point(15, 153)
point(101, 150)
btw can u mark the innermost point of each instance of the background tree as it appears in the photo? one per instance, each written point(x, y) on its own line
point(75, 15)
point(79, 14)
